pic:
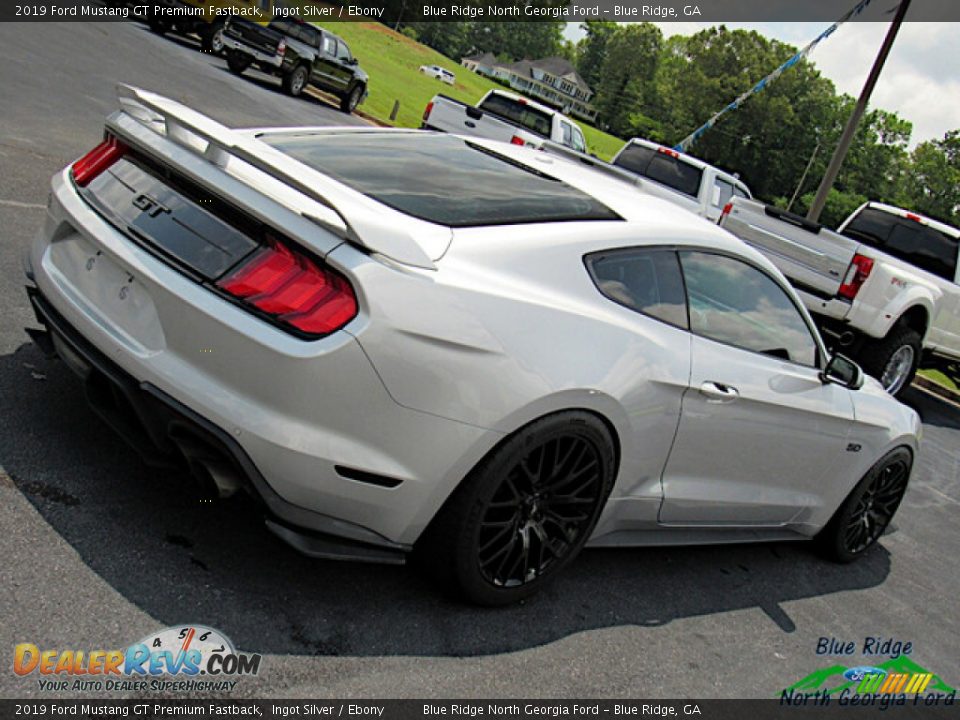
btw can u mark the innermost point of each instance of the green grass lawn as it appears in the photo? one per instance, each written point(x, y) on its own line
point(393, 60)
point(939, 377)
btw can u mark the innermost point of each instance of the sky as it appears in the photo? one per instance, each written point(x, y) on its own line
point(920, 81)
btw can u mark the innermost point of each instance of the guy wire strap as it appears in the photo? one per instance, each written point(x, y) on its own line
point(695, 135)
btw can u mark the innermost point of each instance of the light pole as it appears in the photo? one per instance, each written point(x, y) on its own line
point(833, 169)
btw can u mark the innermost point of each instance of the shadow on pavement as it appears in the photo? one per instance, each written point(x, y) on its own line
point(147, 535)
point(932, 410)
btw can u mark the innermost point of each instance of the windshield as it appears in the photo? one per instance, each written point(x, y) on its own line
point(441, 178)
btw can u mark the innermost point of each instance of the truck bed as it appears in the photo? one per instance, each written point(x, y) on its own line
point(813, 258)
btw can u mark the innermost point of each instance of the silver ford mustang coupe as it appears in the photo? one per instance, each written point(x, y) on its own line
point(401, 341)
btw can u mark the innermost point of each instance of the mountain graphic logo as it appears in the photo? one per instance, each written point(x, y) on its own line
point(899, 675)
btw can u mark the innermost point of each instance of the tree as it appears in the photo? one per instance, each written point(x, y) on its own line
point(592, 49)
point(626, 79)
point(931, 183)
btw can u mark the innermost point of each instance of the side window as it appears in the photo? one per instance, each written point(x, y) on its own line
point(329, 46)
point(646, 280)
point(737, 304)
point(579, 144)
point(722, 192)
point(343, 52)
point(566, 134)
point(740, 192)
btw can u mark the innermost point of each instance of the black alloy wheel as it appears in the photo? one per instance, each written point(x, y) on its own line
point(542, 507)
point(875, 507)
point(525, 511)
point(867, 512)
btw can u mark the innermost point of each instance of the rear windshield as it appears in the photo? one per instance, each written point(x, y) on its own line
point(518, 113)
point(661, 167)
point(910, 241)
point(441, 178)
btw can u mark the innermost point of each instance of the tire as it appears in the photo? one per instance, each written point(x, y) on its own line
point(894, 359)
point(506, 530)
point(865, 514)
point(211, 39)
point(296, 80)
point(158, 26)
point(349, 102)
point(238, 62)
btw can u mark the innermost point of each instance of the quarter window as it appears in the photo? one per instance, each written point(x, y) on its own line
point(578, 143)
point(645, 280)
point(737, 304)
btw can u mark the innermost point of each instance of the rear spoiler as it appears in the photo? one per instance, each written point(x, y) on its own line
point(363, 222)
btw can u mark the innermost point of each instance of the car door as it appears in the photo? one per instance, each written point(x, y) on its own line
point(653, 370)
point(343, 66)
point(325, 64)
point(760, 435)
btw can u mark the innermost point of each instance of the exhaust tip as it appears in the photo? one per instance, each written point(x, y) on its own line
point(215, 480)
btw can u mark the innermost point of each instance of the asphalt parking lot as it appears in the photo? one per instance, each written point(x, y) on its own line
point(98, 550)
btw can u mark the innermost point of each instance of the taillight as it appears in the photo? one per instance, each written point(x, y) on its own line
point(293, 290)
point(282, 46)
point(427, 110)
point(726, 209)
point(97, 160)
point(914, 217)
point(857, 274)
point(517, 140)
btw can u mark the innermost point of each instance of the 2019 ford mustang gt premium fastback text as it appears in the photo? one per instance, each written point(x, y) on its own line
point(408, 341)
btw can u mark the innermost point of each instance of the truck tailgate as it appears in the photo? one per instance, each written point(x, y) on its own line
point(813, 258)
point(262, 38)
point(453, 116)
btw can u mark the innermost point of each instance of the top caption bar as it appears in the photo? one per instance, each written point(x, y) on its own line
point(393, 12)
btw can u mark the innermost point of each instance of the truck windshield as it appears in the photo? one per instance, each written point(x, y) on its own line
point(661, 168)
point(910, 241)
point(518, 113)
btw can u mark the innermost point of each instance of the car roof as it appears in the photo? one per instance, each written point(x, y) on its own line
point(660, 221)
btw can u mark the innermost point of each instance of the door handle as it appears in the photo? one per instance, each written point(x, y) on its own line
point(718, 392)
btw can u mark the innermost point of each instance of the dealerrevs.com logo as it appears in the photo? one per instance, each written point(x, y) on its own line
point(182, 658)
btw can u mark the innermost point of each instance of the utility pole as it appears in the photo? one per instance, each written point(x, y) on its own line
point(833, 169)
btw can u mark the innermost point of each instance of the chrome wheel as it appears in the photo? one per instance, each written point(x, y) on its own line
point(216, 41)
point(354, 99)
point(898, 369)
point(877, 505)
point(540, 510)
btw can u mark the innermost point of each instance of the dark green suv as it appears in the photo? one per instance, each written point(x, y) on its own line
point(300, 54)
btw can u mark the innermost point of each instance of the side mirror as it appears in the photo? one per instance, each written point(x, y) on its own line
point(352, 62)
point(841, 370)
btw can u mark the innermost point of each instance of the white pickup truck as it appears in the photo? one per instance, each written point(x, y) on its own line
point(686, 181)
point(884, 288)
point(506, 117)
point(673, 176)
